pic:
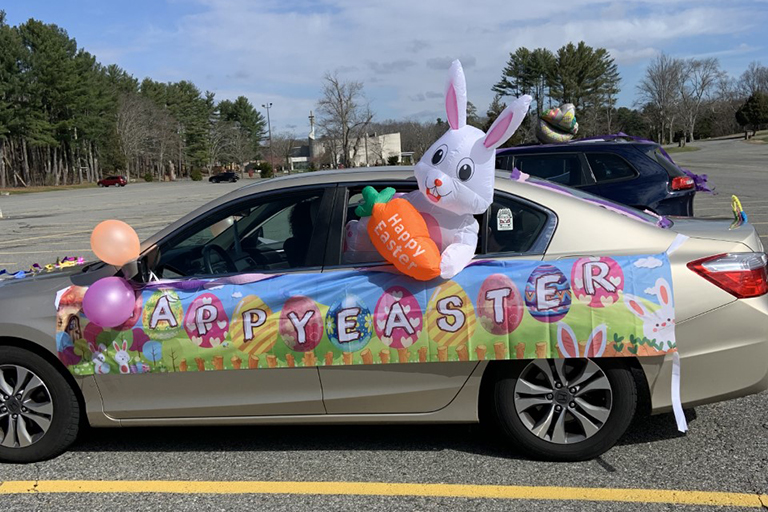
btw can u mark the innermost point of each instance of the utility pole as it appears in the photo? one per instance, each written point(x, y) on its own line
point(269, 126)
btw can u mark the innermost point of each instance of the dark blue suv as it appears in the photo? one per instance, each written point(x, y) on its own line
point(626, 171)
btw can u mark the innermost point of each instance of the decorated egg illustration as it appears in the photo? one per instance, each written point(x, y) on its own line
point(597, 281)
point(548, 294)
point(397, 318)
point(254, 328)
point(301, 325)
point(206, 321)
point(499, 305)
point(162, 315)
point(128, 324)
point(349, 323)
point(450, 315)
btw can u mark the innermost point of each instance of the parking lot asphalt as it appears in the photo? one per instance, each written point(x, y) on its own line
point(726, 449)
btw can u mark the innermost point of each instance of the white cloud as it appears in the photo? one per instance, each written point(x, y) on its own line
point(278, 51)
point(649, 262)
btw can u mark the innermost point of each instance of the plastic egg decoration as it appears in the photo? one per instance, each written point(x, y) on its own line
point(206, 321)
point(253, 327)
point(397, 318)
point(597, 281)
point(450, 315)
point(548, 294)
point(301, 324)
point(349, 323)
point(499, 305)
point(163, 315)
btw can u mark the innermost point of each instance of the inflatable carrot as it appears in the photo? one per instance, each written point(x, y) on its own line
point(399, 233)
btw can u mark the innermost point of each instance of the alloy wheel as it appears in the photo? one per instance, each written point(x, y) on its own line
point(26, 407)
point(563, 401)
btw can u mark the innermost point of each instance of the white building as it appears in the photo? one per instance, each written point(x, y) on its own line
point(372, 149)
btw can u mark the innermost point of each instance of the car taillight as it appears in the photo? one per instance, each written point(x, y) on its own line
point(742, 274)
point(682, 183)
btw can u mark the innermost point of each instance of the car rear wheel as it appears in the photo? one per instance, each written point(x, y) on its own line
point(565, 409)
point(39, 411)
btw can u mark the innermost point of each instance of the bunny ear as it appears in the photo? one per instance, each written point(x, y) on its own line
point(635, 306)
point(117, 347)
point(456, 97)
point(125, 345)
point(507, 123)
point(663, 292)
point(566, 340)
point(597, 341)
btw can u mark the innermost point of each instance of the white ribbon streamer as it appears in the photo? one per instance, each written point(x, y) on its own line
point(677, 405)
point(676, 243)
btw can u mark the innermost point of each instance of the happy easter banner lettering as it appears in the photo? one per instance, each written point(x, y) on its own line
point(587, 307)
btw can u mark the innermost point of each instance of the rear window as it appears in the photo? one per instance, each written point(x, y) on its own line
point(654, 152)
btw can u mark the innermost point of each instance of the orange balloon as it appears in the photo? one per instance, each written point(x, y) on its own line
point(115, 242)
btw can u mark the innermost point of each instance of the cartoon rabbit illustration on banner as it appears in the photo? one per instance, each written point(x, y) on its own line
point(432, 231)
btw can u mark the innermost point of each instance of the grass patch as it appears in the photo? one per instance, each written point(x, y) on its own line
point(684, 149)
point(758, 139)
point(32, 190)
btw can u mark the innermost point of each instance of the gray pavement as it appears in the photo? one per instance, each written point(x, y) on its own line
point(725, 450)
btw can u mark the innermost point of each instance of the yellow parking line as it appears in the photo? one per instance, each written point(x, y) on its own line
point(677, 497)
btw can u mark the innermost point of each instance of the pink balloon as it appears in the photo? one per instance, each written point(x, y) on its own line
point(109, 302)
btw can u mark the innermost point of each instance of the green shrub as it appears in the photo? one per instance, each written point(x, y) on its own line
point(196, 175)
point(148, 177)
point(393, 160)
point(265, 169)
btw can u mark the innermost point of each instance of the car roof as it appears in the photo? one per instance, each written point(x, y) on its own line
point(578, 144)
point(546, 196)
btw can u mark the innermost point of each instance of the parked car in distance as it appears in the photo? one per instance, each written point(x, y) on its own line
point(635, 173)
point(295, 226)
point(119, 181)
point(230, 177)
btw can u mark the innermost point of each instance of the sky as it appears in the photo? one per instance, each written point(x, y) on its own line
point(277, 51)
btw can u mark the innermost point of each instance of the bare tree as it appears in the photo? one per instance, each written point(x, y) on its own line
point(660, 91)
point(164, 140)
point(344, 115)
point(282, 147)
point(241, 147)
point(753, 79)
point(132, 120)
point(219, 142)
point(698, 80)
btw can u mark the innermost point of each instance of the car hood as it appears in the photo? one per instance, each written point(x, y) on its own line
point(723, 229)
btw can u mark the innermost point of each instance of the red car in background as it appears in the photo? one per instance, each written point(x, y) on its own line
point(120, 181)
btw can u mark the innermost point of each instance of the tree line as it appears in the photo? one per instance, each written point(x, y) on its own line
point(65, 118)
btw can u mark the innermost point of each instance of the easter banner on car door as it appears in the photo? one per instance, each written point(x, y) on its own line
point(587, 307)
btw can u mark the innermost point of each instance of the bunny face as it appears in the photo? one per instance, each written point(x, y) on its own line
point(457, 172)
point(658, 325)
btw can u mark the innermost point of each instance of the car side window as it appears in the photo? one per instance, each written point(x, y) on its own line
point(513, 226)
point(502, 161)
point(560, 168)
point(609, 167)
point(275, 233)
point(363, 251)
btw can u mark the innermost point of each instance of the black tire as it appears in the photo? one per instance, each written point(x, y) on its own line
point(65, 422)
point(624, 404)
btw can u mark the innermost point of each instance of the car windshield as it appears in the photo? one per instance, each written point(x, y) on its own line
point(621, 209)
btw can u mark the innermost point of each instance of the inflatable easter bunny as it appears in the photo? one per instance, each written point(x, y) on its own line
point(456, 182)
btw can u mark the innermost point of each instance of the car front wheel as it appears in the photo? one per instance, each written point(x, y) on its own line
point(565, 409)
point(39, 411)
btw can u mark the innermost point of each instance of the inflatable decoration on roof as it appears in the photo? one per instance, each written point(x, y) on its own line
point(558, 125)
